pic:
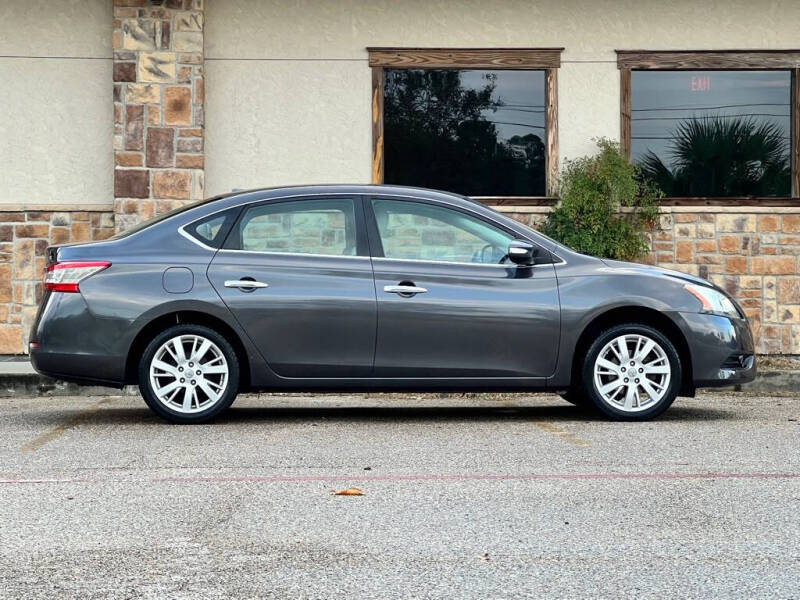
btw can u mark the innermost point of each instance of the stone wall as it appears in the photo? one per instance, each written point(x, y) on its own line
point(24, 238)
point(158, 107)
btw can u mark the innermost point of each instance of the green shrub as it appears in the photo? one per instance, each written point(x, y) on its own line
point(593, 190)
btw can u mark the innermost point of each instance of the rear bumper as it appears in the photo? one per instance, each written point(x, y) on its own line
point(722, 349)
point(72, 344)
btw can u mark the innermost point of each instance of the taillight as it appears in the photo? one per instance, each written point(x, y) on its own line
point(65, 277)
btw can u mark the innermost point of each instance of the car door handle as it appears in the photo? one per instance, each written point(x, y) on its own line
point(245, 284)
point(404, 289)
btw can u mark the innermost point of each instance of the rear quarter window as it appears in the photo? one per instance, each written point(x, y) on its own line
point(212, 230)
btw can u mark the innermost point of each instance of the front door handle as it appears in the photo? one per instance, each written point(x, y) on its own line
point(245, 284)
point(404, 289)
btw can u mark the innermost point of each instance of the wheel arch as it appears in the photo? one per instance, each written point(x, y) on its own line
point(643, 316)
point(185, 317)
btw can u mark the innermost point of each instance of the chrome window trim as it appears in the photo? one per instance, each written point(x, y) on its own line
point(277, 253)
point(508, 265)
point(191, 238)
point(345, 195)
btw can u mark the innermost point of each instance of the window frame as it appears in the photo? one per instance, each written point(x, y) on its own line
point(716, 60)
point(512, 59)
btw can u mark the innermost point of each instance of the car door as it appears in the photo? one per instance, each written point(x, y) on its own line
point(296, 275)
point(446, 306)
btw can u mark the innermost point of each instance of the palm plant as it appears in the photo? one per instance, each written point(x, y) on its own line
point(723, 156)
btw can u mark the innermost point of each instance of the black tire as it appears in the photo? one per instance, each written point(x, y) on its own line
point(227, 397)
point(587, 374)
point(574, 396)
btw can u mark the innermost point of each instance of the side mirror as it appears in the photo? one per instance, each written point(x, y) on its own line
point(522, 253)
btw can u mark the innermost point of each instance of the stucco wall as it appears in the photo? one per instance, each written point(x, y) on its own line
point(56, 121)
point(288, 82)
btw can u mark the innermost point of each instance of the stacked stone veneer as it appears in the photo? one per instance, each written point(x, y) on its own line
point(158, 107)
point(24, 238)
point(750, 252)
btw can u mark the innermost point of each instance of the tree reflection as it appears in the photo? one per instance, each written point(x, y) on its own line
point(437, 135)
point(723, 156)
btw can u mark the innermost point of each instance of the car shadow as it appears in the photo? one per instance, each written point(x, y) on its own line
point(434, 414)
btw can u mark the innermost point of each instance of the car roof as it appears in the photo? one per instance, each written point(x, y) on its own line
point(345, 188)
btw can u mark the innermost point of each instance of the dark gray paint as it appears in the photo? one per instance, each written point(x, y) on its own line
point(323, 322)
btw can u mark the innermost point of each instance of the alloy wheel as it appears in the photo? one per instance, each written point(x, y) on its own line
point(632, 373)
point(188, 373)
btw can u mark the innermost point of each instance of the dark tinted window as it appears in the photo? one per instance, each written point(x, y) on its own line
point(713, 133)
point(212, 230)
point(475, 132)
point(299, 227)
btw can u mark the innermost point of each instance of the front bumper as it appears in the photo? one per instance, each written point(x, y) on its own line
point(722, 349)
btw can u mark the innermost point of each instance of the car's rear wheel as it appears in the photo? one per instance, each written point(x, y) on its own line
point(189, 374)
point(632, 372)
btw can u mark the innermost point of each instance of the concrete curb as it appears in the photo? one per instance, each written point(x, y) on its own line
point(19, 385)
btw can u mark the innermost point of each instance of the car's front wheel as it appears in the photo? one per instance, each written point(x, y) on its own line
point(189, 374)
point(632, 372)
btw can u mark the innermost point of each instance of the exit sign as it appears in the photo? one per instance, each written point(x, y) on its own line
point(701, 83)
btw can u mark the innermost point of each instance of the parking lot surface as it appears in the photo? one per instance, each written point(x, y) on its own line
point(464, 497)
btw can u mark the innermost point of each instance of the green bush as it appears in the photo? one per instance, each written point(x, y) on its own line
point(589, 218)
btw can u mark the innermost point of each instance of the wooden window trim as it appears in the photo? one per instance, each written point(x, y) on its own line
point(679, 60)
point(517, 59)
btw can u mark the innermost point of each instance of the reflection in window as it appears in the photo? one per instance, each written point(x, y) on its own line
point(411, 230)
point(302, 227)
point(713, 133)
point(475, 132)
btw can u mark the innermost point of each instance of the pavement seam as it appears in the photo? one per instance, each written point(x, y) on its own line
point(59, 430)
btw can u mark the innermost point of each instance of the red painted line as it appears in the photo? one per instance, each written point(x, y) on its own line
point(421, 477)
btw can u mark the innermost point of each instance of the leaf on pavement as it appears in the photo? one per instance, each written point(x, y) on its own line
point(353, 491)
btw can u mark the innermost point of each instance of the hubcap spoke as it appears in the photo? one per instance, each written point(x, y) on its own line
point(622, 344)
point(624, 380)
point(167, 368)
point(609, 387)
point(201, 351)
point(168, 388)
point(177, 345)
point(188, 396)
point(189, 373)
point(646, 349)
point(651, 391)
point(203, 385)
point(630, 396)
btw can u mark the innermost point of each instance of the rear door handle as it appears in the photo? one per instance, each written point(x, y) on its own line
point(245, 284)
point(404, 289)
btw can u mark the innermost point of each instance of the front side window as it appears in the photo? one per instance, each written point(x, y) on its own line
point(299, 227)
point(474, 132)
point(420, 231)
point(713, 133)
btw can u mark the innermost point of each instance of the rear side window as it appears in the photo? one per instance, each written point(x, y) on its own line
point(320, 226)
point(212, 230)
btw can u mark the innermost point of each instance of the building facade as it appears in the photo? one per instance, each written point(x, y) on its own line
point(116, 110)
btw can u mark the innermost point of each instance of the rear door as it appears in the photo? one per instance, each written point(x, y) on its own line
point(447, 307)
point(296, 274)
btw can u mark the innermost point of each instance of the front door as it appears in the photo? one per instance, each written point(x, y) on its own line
point(297, 276)
point(447, 307)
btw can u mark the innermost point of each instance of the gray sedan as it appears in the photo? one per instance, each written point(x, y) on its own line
point(333, 288)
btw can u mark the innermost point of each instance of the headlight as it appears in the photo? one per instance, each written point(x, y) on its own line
point(713, 302)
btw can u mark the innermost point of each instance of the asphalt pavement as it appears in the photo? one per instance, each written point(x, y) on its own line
point(464, 497)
